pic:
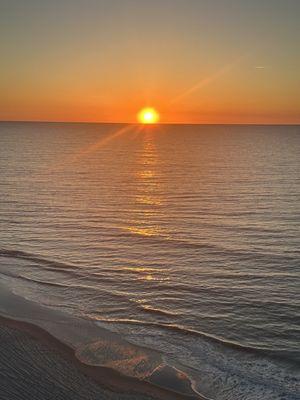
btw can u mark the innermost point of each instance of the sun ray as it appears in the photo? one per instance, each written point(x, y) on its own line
point(207, 80)
point(94, 146)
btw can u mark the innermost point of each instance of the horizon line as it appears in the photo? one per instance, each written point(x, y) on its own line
point(159, 123)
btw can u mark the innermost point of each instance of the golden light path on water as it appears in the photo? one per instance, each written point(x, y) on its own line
point(148, 200)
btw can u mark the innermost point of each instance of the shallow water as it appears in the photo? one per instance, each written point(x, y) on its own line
point(184, 239)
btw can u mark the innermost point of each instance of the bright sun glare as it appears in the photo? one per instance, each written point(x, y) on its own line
point(148, 115)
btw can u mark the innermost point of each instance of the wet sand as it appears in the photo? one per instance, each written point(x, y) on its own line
point(36, 366)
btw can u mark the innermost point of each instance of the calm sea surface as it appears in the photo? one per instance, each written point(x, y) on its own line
point(184, 239)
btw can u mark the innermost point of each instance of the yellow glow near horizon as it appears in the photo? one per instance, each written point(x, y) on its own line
point(148, 115)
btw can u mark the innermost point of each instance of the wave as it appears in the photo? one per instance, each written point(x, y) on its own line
point(159, 311)
point(217, 248)
point(87, 288)
point(55, 265)
point(75, 270)
point(32, 280)
point(220, 369)
point(191, 332)
point(23, 255)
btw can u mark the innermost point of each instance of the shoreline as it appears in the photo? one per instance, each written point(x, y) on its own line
point(104, 378)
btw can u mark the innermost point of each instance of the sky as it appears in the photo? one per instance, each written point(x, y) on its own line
point(195, 61)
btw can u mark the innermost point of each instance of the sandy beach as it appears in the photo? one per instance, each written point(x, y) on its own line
point(34, 365)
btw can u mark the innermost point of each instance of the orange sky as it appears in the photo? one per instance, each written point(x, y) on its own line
point(195, 61)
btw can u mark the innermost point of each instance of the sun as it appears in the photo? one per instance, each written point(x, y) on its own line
point(148, 115)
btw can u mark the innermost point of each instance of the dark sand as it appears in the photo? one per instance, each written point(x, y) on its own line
point(36, 366)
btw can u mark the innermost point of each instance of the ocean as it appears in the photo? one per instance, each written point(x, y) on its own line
point(179, 242)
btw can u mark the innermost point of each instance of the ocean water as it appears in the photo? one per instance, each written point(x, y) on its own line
point(184, 240)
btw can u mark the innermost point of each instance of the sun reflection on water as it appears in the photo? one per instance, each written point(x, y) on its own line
point(148, 200)
point(148, 211)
